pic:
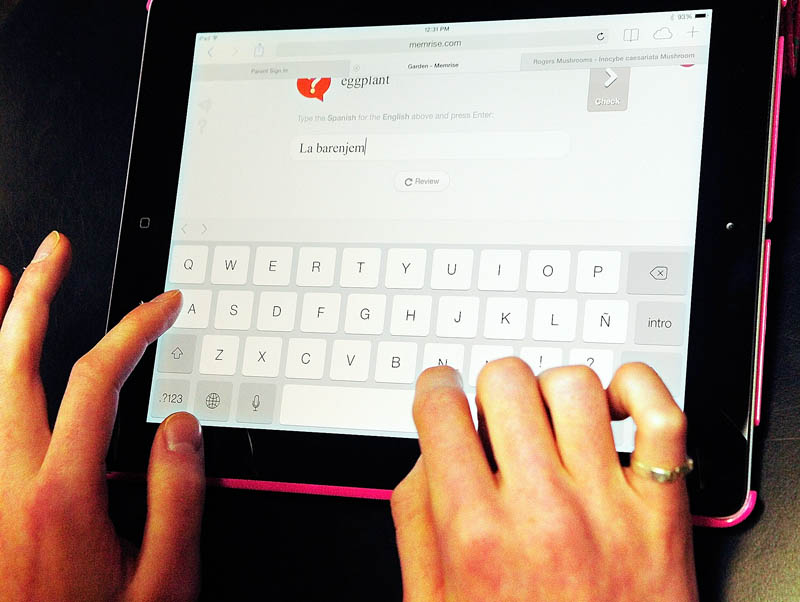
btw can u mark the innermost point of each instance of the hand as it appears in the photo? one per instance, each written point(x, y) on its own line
point(560, 519)
point(56, 539)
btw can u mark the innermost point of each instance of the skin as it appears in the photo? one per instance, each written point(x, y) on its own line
point(559, 519)
point(56, 539)
point(551, 516)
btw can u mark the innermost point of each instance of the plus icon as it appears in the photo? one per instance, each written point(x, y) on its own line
point(693, 31)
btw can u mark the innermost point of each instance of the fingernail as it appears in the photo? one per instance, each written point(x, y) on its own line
point(165, 296)
point(441, 376)
point(47, 246)
point(183, 433)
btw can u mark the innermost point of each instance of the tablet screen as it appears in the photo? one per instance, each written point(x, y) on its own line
point(357, 204)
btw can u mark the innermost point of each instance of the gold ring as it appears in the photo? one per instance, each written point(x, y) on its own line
point(659, 474)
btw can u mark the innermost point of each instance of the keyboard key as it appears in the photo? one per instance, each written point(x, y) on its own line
point(555, 319)
point(315, 266)
point(542, 358)
point(548, 271)
point(669, 366)
point(350, 360)
point(196, 309)
point(405, 268)
point(354, 408)
point(365, 314)
point(305, 358)
point(255, 403)
point(605, 321)
point(276, 311)
point(219, 354)
point(169, 396)
point(598, 271)
point(176, 353)
point(505, 318)
point(262, 356)
point(273, 266)
point(599, 360)
point(320, 312)
point(658, 273)
point(213, 400)
point(660, 323)
point(230, 265)
point(234, 310)
point(396, 362)
point(452, 269)
point(458, 317)
point(360, 268)
point(411, 315)
point(188, 264)
point(499, 270)
point(443, 354)
point(482, 355)
point(623, 432)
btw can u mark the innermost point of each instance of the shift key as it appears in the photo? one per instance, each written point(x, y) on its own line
point(660, 323)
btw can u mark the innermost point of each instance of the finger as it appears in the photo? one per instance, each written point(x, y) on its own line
point(582, 424)
point(169, 562)
point(516, 420)
point(6, 286)
point(637, 391)
point(83, 427)
point(24, 325)
point(457, 469)
point(417, 546)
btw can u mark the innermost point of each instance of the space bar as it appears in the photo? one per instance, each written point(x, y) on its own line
point(348, 408)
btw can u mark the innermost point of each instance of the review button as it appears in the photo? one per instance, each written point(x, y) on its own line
point(421, 181)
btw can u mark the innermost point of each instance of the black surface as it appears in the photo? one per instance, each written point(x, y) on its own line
point(68, 77)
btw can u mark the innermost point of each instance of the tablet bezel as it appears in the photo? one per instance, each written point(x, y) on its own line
point(727, 261)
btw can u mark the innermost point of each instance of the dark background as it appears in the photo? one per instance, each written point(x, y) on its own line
point(68, 78)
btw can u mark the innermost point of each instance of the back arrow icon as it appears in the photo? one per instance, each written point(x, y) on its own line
point(612, 77)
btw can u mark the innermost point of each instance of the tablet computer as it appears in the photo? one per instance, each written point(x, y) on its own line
point(348, 197)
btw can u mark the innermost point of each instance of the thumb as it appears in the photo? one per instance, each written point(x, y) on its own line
point(169, 562)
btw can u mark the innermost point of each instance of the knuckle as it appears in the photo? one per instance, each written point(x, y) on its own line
point(578, 377)
point(668, 421)
point(478, 543)
point(94, 371)
point(636, 370)
point(500, 368)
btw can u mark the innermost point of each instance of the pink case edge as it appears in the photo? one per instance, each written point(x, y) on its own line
point(149, 2)
point(728, 521)
point(386, 494)
point(278, 486)
point(762, 329)
point(776, 112)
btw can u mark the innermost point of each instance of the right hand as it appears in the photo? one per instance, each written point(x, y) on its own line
point(559, 519)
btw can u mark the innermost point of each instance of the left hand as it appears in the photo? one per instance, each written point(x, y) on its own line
point(56, 539)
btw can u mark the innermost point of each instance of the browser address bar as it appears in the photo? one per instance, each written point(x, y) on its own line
point(538, 39)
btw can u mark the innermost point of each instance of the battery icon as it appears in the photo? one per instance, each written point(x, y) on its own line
point(700, 16)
